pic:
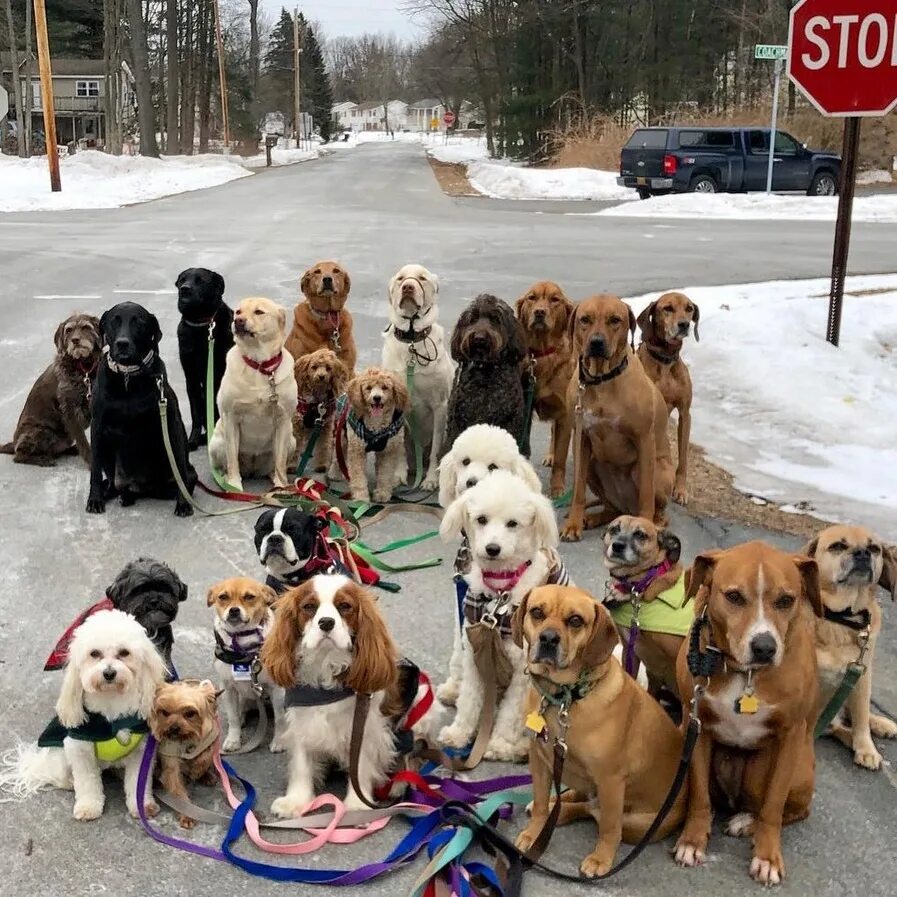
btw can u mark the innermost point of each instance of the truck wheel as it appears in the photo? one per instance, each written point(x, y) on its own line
point(824, 183)
point(643, 193)
point(703, 183)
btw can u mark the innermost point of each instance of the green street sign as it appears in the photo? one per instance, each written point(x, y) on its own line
point(770, 51)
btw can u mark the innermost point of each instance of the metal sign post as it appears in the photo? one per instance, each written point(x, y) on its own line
point(775, 52)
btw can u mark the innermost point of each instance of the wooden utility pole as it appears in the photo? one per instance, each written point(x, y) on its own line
point(222, 78)
point(297, 49)
point(46, 92)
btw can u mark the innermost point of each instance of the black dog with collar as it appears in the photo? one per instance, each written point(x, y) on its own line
point(128, 453)
point(288, 543)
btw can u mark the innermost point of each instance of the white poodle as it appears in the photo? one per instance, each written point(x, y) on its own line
point(512, 534)
point(107, 694)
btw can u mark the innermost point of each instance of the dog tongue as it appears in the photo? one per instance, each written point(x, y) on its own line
point(376, 410)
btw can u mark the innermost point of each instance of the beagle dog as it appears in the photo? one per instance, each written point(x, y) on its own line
point(751, 655)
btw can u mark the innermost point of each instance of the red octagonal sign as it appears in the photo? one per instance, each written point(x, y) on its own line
point(843, 55)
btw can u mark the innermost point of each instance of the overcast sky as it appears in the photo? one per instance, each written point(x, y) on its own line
point(338, 17)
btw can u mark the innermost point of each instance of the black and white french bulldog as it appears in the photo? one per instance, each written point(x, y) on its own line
point(288, 542)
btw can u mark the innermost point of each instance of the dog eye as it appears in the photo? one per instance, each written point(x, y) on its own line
point(164, 714)
point(95, 654)
point(531, 297)
point(783, 602)
point(614, 530)
point(555, 299)
point(689, 308)
point(337, 271)
point(465, 462)
point(317, 271)
point(537, 613)
point(667, 309)
point(248, 598)
point(511, 524)
point(309, 607)
point(875, 549)
point(585, 320)
point(422, 279)
point(344, 606)
point(482, 520)
point(124, 653)
point(258, 311)
point(614, 320)
point(576, 622)
point(733, 596)
point(838, 546)
point(640, 536)
point(190, 714)
point(492, 467)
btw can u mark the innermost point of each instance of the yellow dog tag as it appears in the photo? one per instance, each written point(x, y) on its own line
point(535, 722)
point(747, 703)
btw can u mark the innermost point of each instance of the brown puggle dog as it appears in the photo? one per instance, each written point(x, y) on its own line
point(852, 564)
point(322, 320)
point(623, 750)
point(643, 562)
point(624, 452)
point(184, 720)
point(544, 311)
point(755, 753)
point(665, 323)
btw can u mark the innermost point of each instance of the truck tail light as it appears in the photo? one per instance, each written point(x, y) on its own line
point(670, 165)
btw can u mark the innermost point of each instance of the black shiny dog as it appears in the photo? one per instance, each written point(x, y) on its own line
point(288, 543)
point(151, 592)
point(489, 344)
point(129, 457)
point(201, 305)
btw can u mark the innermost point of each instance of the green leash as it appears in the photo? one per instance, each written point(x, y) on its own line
point(310, 446)
point(223, 484)
point(852, 675)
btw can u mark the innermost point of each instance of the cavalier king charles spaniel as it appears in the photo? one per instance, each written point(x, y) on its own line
point(329, 642)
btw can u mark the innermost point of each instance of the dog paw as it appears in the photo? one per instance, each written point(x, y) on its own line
point(689, 854)
point(680, 494)
point(382, 496)
point(556, 490)
point(501, 749)
point(571, 532)
point(235, 483)
point(448, 692)
point(882, 727)
point(127, 498)
point(740, 825)
point(768, 871)
point(186, 822)
point(87, 809)
point(278, 744)
point(548, 459)
point(96, 506)
point(231, 744)
point(454, 736)
point(182, 509)
point(430, 484)
point(526, 839)
point(287, 807)
point(866, 755)
point(597, 863)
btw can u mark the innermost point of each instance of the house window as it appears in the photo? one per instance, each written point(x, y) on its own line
point(87, 88)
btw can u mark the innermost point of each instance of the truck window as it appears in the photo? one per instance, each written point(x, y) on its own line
point(647, 138)
point(786, 145)
point(706, 139)
point(759, 142)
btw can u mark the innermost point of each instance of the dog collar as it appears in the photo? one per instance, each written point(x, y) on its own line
point(84, 369)
point(128, 369)
point(504, 580)
point(331, 316)
point(562, 696)
point(237, 652)
point(169, 747)
point(204, 323)
point(126, 732)
point(625, 586)
point(376, 440)
point(587, 379)
point(315, 696)
point(654, 350)
point(535, 354)
point(267, 367)
point(852, 619)
point(411, 335)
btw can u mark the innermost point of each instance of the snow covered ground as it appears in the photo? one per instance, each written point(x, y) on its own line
point(795, 420)
point(281, 156)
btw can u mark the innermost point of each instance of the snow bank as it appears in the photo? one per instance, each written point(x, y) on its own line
point(513, 182)
point(792, 418)
point(739, 206)
point(281, 156)
point(459, 149)
point(95, 180)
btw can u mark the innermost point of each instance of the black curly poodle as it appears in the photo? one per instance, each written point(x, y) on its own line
point(489, 345)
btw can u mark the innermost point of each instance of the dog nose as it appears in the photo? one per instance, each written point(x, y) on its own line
point(471, 482)
point(407, 289)
point(763, 648)
point(233, 613)
point(122, 344)
point(862, 555)
point(327, 282)
point(539, 314)
point(618, 547)
point(376, 400)
point(109, 674)
point(549, 639)
point(276, 538)
point(683, 326)
point(326, 624)
point(597, 347)
point(173, 730)
point(493, 550)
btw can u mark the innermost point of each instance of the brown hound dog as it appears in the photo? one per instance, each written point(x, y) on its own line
point(623, 453)
point(665, 323)
point(545, 312)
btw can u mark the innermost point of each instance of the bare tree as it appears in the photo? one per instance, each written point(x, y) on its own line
point(29, 87)
point(254, 48)
point(146, 117)
point(173, 76)
point(112, 72)
point(16, 83)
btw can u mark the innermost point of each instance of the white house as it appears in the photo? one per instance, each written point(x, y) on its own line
point(377, 117)
point(341, 113)
point(423, 113)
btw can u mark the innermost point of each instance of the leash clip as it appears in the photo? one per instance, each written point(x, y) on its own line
point(160, 385)
point(212, 330)
point(322, 414)
point(255, 669)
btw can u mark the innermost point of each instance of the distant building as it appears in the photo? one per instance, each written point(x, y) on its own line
point(341, 114)
point(423, 114)
point(375, 116)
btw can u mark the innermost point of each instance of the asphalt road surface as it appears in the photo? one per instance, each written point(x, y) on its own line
point(373, 208)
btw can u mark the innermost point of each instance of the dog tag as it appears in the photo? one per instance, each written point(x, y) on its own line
point(535, 722)
point(242, 673)
point(747, 703)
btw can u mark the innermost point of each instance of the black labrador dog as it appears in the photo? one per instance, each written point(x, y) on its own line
point(129, 458)
point(201, 305)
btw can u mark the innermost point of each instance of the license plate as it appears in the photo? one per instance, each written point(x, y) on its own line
point(642, 182)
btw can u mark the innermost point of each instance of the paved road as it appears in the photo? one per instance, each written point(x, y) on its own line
point(374, 208)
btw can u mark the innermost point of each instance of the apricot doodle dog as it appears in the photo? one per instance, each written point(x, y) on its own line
point(321, 379)
point(322, 321)
point(545, 312)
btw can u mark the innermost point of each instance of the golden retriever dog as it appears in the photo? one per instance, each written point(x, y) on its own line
point(322, 320)
point(375, 417)
point(624, 453)
point(257, 399)
point(545, 312)
point(754, 609)
point(321, 379)
point(664, 324)
point(853, 563)
point(622, 749)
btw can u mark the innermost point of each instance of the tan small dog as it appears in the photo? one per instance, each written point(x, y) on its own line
point(624, 453)
point(320, 379)
point(322, 320)
point(375, 417)
point(622, 749)
point(665, 323)
point(852, 564)
point(754, 607)
point(257, 398)
point(644, 568)
point(184, 720)
point(545, 312)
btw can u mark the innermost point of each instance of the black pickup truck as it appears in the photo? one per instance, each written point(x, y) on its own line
point(693, 159)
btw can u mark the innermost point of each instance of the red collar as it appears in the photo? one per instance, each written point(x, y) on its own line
point(505, 579)
point(265, 367)
point(541, 353)
point(85, 369)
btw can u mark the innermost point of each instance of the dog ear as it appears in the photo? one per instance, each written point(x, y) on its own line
point(545, 525)
point(518, 620)
point(888, 578)
point(433, 279)
point(602, 639)
point(448, 477)
point(278, 654)
point(304, 282)
point(70, 704)
point(180, 587)
point(157, 330)
point(341, 376)
point(353, 391)
point(218, 284)
point(810, 548)
point(321, 524)
point(300, 369)
point(115, 592)
point(519, 306)
point(103, 318)
point(282, 318)
point(515, 348)
point(375, 657)
point(699, 577)
point(632, 326)
point(59, 338)
point(177, 283)
point(347, 282)
point(645, 320)
point(670, 544)
point(571, 326)
point(569, 309)
point(809, 574)
point(391, 285)
point(268, 595)
point(463, 322)
point(150, 676)
point(211, 595)
point(453, 519)
point(400, 391)
point(695, 319)
point(527, 473)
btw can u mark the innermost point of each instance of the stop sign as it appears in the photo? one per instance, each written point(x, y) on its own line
point(843, 55)
point(449, 118)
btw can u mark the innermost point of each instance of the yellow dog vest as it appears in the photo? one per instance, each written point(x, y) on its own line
point(668, 613)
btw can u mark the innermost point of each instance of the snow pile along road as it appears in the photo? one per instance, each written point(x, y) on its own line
point(794, 419)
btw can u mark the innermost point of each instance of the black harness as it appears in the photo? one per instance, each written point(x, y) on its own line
point(234, 656)
point(376, 440)
point(662, 357)
point(315, 696)
point(852, 619)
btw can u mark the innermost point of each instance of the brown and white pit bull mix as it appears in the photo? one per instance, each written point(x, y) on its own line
point(754, 608)
point(665, 323)
point(624, 454)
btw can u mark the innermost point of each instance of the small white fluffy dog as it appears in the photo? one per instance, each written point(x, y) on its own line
point(512, 534)
point(257, 398)
point(113, 671)
point(477, 452)
point(329, 642)
point(414, 337)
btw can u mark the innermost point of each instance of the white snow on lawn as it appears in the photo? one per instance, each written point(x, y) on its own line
point(281, 156)
point(513, 182)
point(790, 416)
point(877, 208)
point(95, 180)
point(458, 149)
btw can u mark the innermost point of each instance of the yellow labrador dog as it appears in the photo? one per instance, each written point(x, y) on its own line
point(257, 398)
